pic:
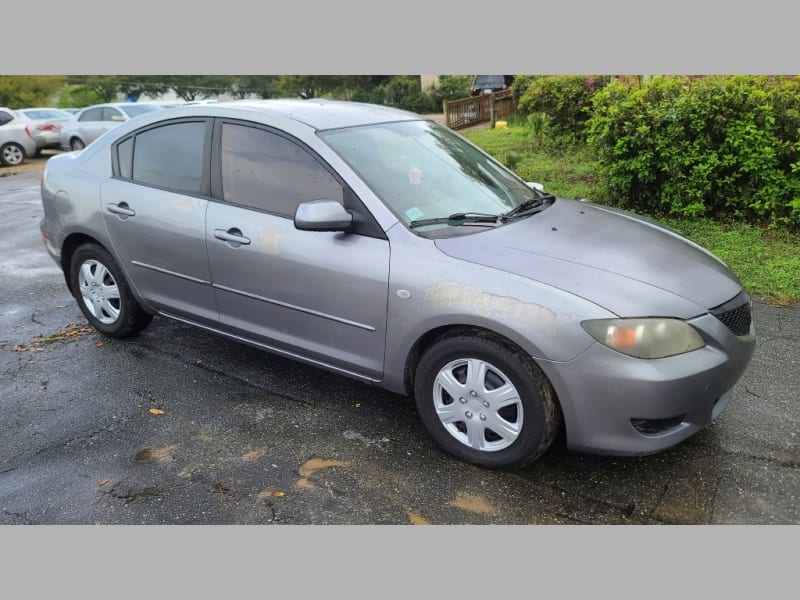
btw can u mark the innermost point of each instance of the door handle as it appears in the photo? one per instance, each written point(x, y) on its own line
point(232, 235)
point(121, 209)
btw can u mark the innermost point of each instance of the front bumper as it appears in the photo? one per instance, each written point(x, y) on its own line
point(603, 393)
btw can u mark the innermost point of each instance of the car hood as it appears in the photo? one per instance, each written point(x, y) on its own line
point(622, 262)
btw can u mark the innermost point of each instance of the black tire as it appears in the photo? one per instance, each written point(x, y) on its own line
point(77, 144)
point(12, 154)
point(132, 318)
point(540, 414)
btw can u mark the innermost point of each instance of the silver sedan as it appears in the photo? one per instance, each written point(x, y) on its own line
point(379, 245)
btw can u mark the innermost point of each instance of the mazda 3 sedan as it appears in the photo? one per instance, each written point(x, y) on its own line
point(379, 245)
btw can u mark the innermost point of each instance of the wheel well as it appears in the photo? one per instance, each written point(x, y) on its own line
point(68, 248)
point(429, 338)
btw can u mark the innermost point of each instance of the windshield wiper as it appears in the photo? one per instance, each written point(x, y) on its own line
point(529, 204)
point(459, 219)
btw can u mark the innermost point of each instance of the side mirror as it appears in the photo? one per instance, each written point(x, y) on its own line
point(535, 186)
point(322, 215)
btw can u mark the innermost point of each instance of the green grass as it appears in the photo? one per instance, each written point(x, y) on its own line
point(766, 260)
point(568, 173)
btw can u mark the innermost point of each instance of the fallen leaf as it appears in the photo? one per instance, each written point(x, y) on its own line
point(253, 455)
point(19, 349)
point(358, 404)
point(221, 489)
point(102, 482)
point(278, 494)
point(473, 503)
point(99, 344)
point(417, 519)
point(309, 467)
point(156, 411)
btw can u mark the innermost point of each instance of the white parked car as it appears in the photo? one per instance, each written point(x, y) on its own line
point(93, 121)
point(16, 143)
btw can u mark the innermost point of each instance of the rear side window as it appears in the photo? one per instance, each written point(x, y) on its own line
point(125, 157)
point(266, 171)
point(170, 156)
point(5, 117)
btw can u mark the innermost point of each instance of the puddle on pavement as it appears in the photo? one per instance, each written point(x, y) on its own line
point(155, 455)
point(417, 519)
point(473, 503)
point(311, 466)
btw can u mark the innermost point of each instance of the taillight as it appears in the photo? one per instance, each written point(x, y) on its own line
point(46, 127)
point(28, 131)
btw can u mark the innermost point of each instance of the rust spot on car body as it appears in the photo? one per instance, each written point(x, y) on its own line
point(502, 308)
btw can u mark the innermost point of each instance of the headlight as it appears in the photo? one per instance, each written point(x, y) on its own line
point(645, 338)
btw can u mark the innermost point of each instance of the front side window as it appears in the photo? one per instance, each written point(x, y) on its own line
point(169, 156)
point(266, 171)
point(112, 114)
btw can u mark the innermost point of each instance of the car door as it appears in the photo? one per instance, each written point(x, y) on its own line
point(90, 124)
point(318, 295)
point(155, 208)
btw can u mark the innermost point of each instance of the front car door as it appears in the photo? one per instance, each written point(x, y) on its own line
point(315, 295)
point(155, 209)
point(90, 124)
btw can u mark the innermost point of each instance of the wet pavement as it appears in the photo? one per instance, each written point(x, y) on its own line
point(236, 435)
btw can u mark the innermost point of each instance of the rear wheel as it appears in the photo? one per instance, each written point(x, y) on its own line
point(12, 154)
point(104, 295)
point(486, 402)
point(77, 144)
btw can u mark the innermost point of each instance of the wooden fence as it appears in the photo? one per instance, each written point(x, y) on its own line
point(486, 108)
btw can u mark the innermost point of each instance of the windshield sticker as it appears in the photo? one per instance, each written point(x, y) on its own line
point(414, 176)
point(414, 213)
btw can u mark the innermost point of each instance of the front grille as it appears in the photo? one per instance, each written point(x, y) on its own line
point(736, 319)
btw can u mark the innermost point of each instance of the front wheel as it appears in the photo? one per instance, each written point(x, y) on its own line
point(77, 144)
point(12, 154)
point(104, 295)
point(486, 402)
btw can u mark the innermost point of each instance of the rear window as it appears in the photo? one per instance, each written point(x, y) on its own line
point(493, 80)
point(134, 110)
point(41, 113)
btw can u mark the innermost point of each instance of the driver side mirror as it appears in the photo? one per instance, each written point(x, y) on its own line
point(322, 215)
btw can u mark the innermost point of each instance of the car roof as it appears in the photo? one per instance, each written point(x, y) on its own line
point(320, 113)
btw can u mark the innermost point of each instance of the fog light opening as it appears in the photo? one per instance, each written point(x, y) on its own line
point(656, 426)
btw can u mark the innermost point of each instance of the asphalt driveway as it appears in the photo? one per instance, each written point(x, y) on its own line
point(181, 426)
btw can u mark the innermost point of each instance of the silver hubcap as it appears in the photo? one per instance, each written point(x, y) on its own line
point(12, 155)
point(477, 404)
point(77, 144)
point(100, 292)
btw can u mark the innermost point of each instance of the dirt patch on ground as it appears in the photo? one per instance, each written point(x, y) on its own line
point(31, 165)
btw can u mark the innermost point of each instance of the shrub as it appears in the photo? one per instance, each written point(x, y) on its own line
point(453, 87)
point(565, 100)
point(401, 92)
point(719, 146)
point(520, 85)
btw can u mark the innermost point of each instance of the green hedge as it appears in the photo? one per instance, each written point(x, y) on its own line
point(723, 146)
point(564, 99)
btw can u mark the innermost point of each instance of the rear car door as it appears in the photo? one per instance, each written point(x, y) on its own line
point(318, 295)
point(155, 208)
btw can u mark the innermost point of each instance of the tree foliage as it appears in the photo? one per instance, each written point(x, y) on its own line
point(20, 91)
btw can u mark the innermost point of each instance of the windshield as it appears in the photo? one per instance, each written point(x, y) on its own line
point(134, 110)
point(496, 80)
point(422, 170)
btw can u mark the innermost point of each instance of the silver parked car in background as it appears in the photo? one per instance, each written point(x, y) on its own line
point(45, 125)
point(93, 121)
point(16, 142)
point(379, 245)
